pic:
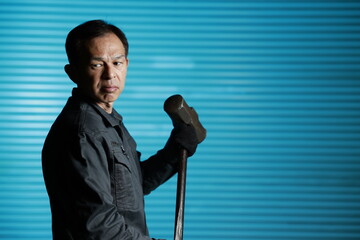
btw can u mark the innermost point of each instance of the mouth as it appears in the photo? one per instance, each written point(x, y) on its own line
point(109, 89)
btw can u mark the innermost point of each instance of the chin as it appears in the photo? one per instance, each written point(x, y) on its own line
point(110, 98)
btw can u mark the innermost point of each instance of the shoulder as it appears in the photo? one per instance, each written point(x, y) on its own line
point(79, 116)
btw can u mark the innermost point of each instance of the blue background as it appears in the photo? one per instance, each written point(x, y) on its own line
point(276, 84)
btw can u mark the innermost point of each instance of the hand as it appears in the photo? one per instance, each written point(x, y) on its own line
point(185, 136)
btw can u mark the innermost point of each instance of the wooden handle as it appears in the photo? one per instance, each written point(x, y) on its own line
point(180, 196)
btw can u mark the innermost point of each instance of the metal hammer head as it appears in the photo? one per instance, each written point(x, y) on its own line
point(178, 110)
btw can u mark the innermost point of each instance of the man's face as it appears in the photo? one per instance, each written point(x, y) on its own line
point(102, 70)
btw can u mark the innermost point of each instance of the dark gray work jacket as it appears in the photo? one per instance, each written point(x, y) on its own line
point(94, 177)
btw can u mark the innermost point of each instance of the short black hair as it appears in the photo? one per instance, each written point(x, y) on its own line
point(86, 31)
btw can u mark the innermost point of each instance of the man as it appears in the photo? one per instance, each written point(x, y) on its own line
point(92, 170)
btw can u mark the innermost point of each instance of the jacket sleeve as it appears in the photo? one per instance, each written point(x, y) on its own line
point(160, 167)
point(87, 179)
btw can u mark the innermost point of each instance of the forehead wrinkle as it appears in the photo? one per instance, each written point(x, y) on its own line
point(116, 57)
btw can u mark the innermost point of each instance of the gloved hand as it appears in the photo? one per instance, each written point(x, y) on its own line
point(185, 136)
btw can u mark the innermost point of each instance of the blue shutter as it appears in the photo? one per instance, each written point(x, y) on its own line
point(276, 84)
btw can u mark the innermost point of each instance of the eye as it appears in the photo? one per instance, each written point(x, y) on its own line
point(118, 63)
point(96, 65)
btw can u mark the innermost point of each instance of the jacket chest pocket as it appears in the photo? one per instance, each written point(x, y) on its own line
point(125, 188)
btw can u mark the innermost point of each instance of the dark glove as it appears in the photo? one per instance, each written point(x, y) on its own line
point(185, 136)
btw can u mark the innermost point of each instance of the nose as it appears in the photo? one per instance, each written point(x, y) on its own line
point(109, 72)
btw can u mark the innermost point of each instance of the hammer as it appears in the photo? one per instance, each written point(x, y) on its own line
point(178, 110)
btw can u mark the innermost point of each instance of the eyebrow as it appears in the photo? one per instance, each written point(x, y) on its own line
point(114, 58)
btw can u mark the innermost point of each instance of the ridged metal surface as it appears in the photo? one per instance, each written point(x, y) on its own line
point(276, 84)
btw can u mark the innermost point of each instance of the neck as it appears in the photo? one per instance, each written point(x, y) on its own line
point(108, 107)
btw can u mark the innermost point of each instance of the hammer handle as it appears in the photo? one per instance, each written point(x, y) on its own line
point(180, 196)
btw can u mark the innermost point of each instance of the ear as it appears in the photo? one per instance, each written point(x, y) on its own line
point(70, 71)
